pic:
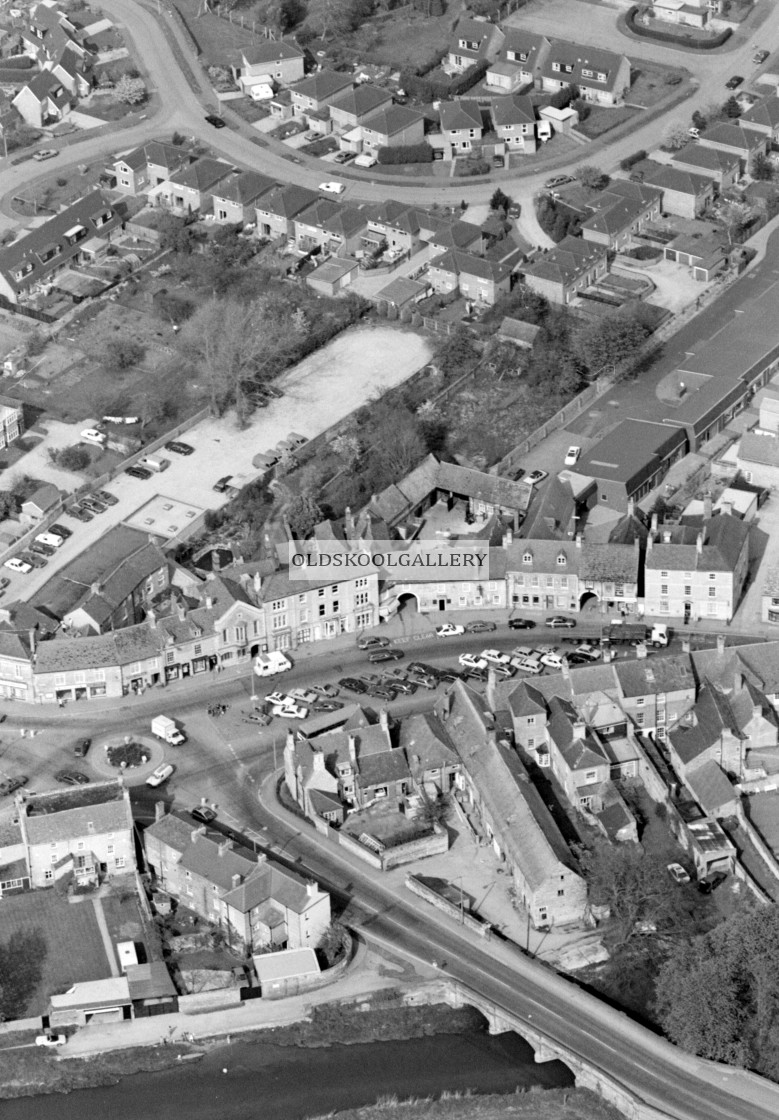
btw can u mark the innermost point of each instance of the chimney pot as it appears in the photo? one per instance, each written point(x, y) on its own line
point(666, 536)
point(707, 507)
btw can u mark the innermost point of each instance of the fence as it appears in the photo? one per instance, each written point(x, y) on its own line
point(457, 912)
point(27, 312)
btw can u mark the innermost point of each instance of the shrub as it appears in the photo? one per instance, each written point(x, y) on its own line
point(631, 161)
point(472, 76)
point(474, 167)
point(406, 153)
point(75, 458)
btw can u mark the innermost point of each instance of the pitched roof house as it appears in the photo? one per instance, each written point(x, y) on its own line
point(514, 120)
point(476, 278)
point(278, 61)
point(719, 164)
point(733, 138)
point(600, 75)
point(621, 211)
point(763, 116)
point(391, 127)
point(461, 124)
point(43, 101)
point(352, 107)
point(235, 197)
point(521, 60)
point(684, 192)
point(148, 166)
point(562, 272)
point(317, 92)
point(693, 573)
point(473, 40)
point(276, 211)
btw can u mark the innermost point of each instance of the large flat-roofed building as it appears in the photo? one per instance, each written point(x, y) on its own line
point(631, 460)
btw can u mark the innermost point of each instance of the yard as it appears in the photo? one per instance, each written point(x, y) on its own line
point(75, 950)
point(60, 189)
point(601, 121)
point(385, 823)
point(651, 82)
point(220, 40)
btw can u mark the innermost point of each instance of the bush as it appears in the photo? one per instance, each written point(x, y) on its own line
point(472, 76)
point(406, 153)
point(75, 458)
point(685, 40)
point(474, 167)
point(631, 161)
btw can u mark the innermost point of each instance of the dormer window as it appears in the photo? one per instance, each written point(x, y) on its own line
point(562, 560)
point(527, 558)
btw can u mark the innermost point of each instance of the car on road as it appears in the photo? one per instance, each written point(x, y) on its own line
point(4, 583)
point(81, 748)
point(160, 775)
point(383, 691)
point(498, 161)
point(93, 505)
point(332, 188)
point(138, 472)
point(536, 476)
point(71, 778)
point(45, 153)
point(11, 785)
point(106, 498)
point(215, 121)
point(368, 641)
point(478, 626)
point(60, 530)
point(345, 157)
point(17, 565)
point(677, 873)
point(560, 622)
point(179, 448)
point(734, 82)
point(572, 456)
point(521, 624)
point(472, 661)
point(386, 655)
point(94, 435)
point(449, 630)
point(352, 684)
point(515, 211)
point(50, 1039)
point(33, 558)
point(558, 181)
point(323, 705)
point(203, 813)
point(759, 57)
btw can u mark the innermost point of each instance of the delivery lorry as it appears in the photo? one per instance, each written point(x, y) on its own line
point(166, 729)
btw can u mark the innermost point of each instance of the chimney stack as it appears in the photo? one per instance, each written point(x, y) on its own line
point(654, 524)
point(33, 640)
point(257, 583)
point(151, 618)
point(216, 560)
point(720, 643)
point(198, 832)
point(236, 880)
point(508, 537)
point(181, 611)
point(631, 507)
point(384, 720)
point(225, 846)
point(159, 810)
point(579, 729)
point(726, 508)
point(666, 536)
point(641, 651)
point(492, 681)
point(353, 750)
point(707, 507)
point(349, 522)
point(578, 540)
point(311, 890)
point(566, 671)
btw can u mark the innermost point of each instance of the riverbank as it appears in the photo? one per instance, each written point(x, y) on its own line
point(524, 1104)
point(381, 1017)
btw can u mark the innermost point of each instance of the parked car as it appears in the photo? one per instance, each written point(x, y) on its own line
point(45, 153)
point(536, 476)
point(81, 748)
point(345, 157)
point(559, 621)
point(106, 498)
point(589, 652)
point(84, 514)
point(34, 559)
point(448, 676)
point(677, 873)
point(495, 657)
point(60, 530)
point(179, 448)
point(572, 456)
point(17, 565)
point(558, 181)
point(710, 882)
point(138, 472)
point(11, 785)
point(424, 680)
point(328, 691)
point(352, 684)
point(94, 435)
point(515, 211)
point(215, 121)
point(479, 626)
point(521, 624)
point(407, 688)
point(368, 641)
point(759, 57)
point(449, 630)
point(203, 813)
point(382, 692)
point(160, 775)
point(41, 548)
point(472, 661)
point(4, 583)
point(470, 674)
point(386, 655)
point(49, 1039)
point(323, 705)
point(71, 778)
point(577, 659)
point(93, 505)
point(498, 161)
point(734, 82)
point(332, 188)
point(222, 484)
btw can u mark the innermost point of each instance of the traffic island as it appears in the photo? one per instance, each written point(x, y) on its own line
point(132, 756)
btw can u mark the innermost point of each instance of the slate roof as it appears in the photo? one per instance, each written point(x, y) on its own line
point(66, 814)
point(155, 152)
point(711, 716)
point(567, 261)
point(201, 175)
point(582, 58)
point(707, 159)
point(539, 555)
point(346, 222)
point(515, 109)
point(674, 179)
point(710, 787)
point(22, 255)
point(764, 112)
point(467, 264)
point(617, 563)
point(724, 537)
point(622, 204)
point(474, 31)
point(523, 43)
point(758, 448)
point(518, 331)
point(658, 674)
point(326, 83)
point(393, 119)
point(422, 736)
point(731, 135)
point(456, 115)
point(272, 50)
point(361, 101)
point(243, 187)
point(287, 201)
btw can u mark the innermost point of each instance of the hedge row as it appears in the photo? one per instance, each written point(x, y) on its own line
point(630, 161)
point(681, 39)
point(436, 89)
point(17, 62)
point(406, 153)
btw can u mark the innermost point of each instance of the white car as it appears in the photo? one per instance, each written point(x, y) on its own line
point(572, 456)
point(530, 665)
point(332, 188)
point(471, 661)
point(277, 698)
point(290, 710)
point(160, 775)
point(586, 650)
point(50, 1039)
point(449, 630)
point(495, 657)
point(17, 565)
point(677, 873)
point(92, 435)
point(553, 660)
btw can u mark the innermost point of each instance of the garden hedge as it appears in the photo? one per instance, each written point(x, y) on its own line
point(669, 36)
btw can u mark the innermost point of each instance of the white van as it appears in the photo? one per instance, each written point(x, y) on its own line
point(51, 539)
point(154, 463)
point(544, 131)
point(367, 159)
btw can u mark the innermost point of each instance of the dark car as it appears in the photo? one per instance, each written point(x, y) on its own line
point(60, 530)
point(326, 706)
point(473, 674)
point(81, 748)
point(84, 514)
point(215, 121)
point(424, 680)
point(382, 692)
point(422, 667)
point(521, 624)
point(406, 688)
point(221, 484)
point(41, 548)
point(4, 582)
point(203, 813)
point(711, 882)
point(344, 157)
point(449, 676)
point(759, 57)
point(93, 505)
point(498, 161)
point(353, 685)
point(368, 642)
point(515, 210)
point(106, 498)
point(480, 627)
point(734, 82)
point(386, 655)
point(138, 472)
point(577, 659)
point(559, 621)
point(558, 181)
point(179, 448)
point(71, 778)
point(33, 558)
point(11, 785)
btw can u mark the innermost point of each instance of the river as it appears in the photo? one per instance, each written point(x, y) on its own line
point(267, 1082)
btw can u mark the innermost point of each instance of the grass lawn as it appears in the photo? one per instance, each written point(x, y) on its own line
point(220, 40)
point(321, 147)
point(407, 39)
point(75, 947)
point(60, 189)
point(248, 110)
point(651, 83)
point(601, 121)
point(108, 109)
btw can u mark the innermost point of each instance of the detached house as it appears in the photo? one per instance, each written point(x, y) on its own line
point(684, 193)
point(735, 140)
point(48, 33)
point(521, 60)
point(473, 41)
point(763, 116)
point(71, 71)
point(256, 902)
point(352, 107)
point(720, 165)
point(461, 125)
point(562, 272)
point(45, 101)
point(280, 62)
point(514, 120)
point(601, 76)
point(236, 197)
point(392, 127)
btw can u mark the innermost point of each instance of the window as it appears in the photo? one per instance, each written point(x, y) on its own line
point(198, 649)
point(664, 606)
point(322, 609)
point(640, 719)
point(278, 605)
point(527, 558)
point(664, 575)
point(48, 875)
point(619, 590)
point(590, 775)
point(561, 892)
point(687, 590)
point(531, 721)
point(361, 582)
point(169, 657)
point(120, 861)
point(663, 588)
point(712, 575)
point(54, 857)
point(361, 598)
point(80, 845)
point(110, 849)
point(561, 560)
point(321, 592)
point(279, 622)
point(531, 743)
point(639, 701)
point(712, 592)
